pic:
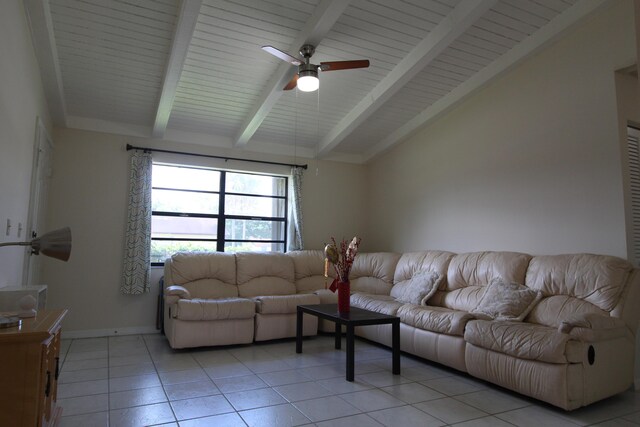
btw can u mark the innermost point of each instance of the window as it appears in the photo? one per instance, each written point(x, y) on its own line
point(633, 147)
point(206, 210)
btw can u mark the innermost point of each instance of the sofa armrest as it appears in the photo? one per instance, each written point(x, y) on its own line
point(591, 321)
point(174, 293)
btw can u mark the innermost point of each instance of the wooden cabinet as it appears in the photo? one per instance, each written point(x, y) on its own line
point(29, 369)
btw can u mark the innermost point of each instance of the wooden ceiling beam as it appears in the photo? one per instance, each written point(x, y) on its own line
point(44, 43)
point(181, 40)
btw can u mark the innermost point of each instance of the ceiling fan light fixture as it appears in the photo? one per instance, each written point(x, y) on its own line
point(308, 81)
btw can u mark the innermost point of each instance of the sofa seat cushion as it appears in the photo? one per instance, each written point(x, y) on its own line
point(215, 309)
point(435, 319)
point(384, 304)
point(525, 341)
point(283, 304)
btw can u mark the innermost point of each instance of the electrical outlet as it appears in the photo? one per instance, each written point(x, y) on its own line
point(8, 232)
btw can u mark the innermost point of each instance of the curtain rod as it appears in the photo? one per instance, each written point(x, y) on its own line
point(225, 158)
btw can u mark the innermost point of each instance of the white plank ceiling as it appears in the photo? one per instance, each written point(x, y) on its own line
point(193, 70)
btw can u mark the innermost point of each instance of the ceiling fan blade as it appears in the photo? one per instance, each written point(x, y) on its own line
point(282, 55)
point(344, 65)
point(292, 83)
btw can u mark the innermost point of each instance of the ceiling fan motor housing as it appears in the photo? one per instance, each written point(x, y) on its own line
point(308, 70)
point(307, 51)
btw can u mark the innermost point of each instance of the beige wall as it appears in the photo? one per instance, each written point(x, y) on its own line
point(531, 163)
point(21, 102)
point(89, 194)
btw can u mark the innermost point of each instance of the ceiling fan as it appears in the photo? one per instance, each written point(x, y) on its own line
point(307, 77)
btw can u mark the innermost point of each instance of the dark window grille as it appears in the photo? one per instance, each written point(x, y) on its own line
point(205, 210)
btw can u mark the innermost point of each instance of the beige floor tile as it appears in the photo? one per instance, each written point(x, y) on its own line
point(412, 392)
point(191, 390)
point(201, 407)
point(84, 404)
point(138, 397)
point(291, 376)
point(226, 370)
point(83, 388)
point(360, 420)
point(302, 391)
point(84, 355)
point(383, 379)
point(245, 382)
point(275, 416)
point(326, 408)
point(223, 420)
point(96, 419)
point(186, 376)
point(77, 365)
point(371, 400)
point(132, 370)
point(340, 386)
point(405, 416)
point(83, 375)
point(484, 422)
point(134, 382)
point(251, 399)
point(451, 386)
point(492, 401)
point(450, 410)
point(141, 415)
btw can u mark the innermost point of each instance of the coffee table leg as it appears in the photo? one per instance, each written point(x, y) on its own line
point(299, 331)
point(395, 328)
point(338, 336)
point(350, 352)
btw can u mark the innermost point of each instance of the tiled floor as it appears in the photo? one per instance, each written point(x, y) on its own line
point(139, 380)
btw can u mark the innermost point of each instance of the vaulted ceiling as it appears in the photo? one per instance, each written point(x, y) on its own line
point(193, 71)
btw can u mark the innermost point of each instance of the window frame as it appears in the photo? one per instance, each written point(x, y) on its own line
point(221, 217)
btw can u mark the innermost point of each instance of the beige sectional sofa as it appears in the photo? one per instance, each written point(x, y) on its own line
point(574, 347)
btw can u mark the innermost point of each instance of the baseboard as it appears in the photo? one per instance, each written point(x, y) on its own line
point(95, 333)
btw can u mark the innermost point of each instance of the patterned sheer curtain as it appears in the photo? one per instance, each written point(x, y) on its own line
point(295, 242)
point(137, 250)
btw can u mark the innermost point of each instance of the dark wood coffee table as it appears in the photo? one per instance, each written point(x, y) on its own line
point(356, 317)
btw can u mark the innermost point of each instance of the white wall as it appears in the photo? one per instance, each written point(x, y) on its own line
point(21, 101)
point(89, 194)
point(531, 163)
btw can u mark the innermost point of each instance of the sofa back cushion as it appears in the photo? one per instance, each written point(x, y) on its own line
point(468, 274)
point(268, 273)
point(372, 273)
point(575, 284)
point(417, 264)
point(204, 275)
point(309, 270)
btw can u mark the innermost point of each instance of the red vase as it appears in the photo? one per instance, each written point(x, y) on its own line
point(344, 296)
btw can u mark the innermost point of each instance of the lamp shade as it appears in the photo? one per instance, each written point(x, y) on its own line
point(308, 80)
point(55, 244)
